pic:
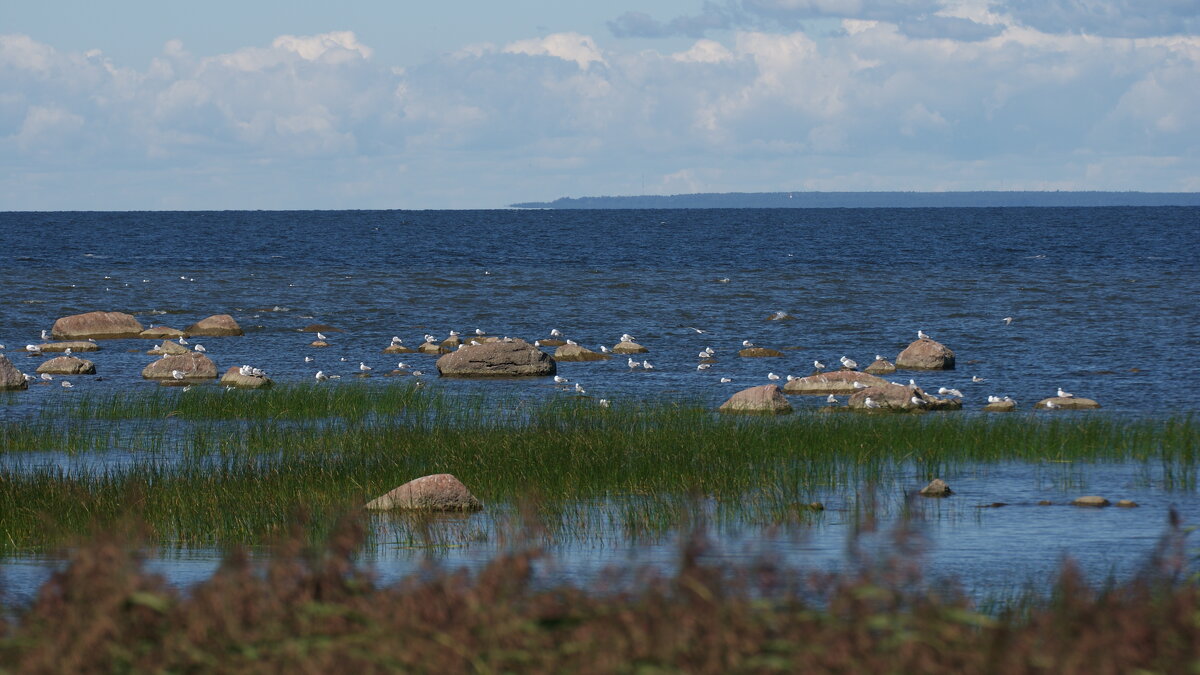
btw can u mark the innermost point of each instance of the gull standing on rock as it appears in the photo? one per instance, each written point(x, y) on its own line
point(67, 385)
point(818, 365)
point(320, 336)
point(633, 364)
point(45, 334)
point(1064, 394)
point(321, 376)
point(772, 376)
point(869, 403)
point(747, 343)
point(182, 341)
point(726, 380)
point(646, 365)
point(849, 362)
point(177, 374)
point(831, 399)
point(364, 367)
point(200, 348)
point(921, 335)
point(554, 332)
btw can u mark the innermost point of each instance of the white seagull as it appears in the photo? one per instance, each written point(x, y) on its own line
point(921, 335)
point(818, 365)
point(320, 336)
point(917, 401)
point(1007, 320)
point(869, 403)
point(747, 343)
point(177, 374)
point(200, 348)
point(554, 332)
point(182, 341)
point(633, 364)
point(560, 379)
point(647, 366)
point(67, 385)
point(67, 351)
point(33, 349)
point(396, 340)
point(363, 367)
point(245, 371)
point(321, 376)
point(1065, 394)
point(831, 399)
point(858, 385)
point(772, 376)
point(45, 334)
point(977, 379)
point(703, 366)
point(47, 377)
point(579, 388)
point(849, 363)
point(626, 337)
point(604, 403)
point(309, 359)
point(402, 366)
point(479, 331)
point(603, 349)
point(1051, 404)
point(726, 380)
point(417, 373)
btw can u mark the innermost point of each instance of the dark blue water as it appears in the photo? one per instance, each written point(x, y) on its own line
point(1104, 302)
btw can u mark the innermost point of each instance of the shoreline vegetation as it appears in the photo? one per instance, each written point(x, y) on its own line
point(217, 468)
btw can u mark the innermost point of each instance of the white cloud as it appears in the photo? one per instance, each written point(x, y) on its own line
point(566, 46)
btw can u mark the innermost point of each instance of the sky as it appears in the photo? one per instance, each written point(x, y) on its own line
point(145, 105)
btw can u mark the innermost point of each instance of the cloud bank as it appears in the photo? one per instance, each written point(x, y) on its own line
point(765, 95)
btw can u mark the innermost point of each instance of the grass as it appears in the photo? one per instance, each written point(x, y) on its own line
point(232, 467)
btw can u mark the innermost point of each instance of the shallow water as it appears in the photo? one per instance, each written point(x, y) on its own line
point(1103, 301)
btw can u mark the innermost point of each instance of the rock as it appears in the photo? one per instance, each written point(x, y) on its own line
point(10, 377)
point(517, 358)
point(67, 365)
point(321, 328)
point(1127, 504)
point(217, 325)
point(318, 343)
point(1072, 403)
point(195, 366)
point(397, 349)
point(234, 378)
point(96, 325)
point(759, 352)
point(926, 354)
point(1091, 501)
point(936, 488)
point(781, 316)
point(578, 353)
point(432, 348)
point(629, 348)
point(160, 332)
point(836, 382)
point(439, 492)
point(767, 398)
point(897, 397)
point(452, 342)
point(551, 342)
point(1045, 502)
point(880, 367)
point(169, 347)
point(1001, 406)
point(77, 346)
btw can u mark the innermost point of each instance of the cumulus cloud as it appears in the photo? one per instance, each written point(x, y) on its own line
point(566, 46)
point(1116, 18)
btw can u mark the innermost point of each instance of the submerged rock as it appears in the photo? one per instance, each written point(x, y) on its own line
point(551, 342)
point(432, 348)
point(835, 382)
point(67, 365)
point(880, 367)
point(195, 366)
point(160, 332)
point(217, 325)
point(10, 377)
point(439, 492)
point(577, 353)
point(1001, 406)
point(765, 399)
point(516, 358)
point(321, 328)
point(234, 378)
point(96, 325)
point(759, 352)
point(626, 347)
point(1064, 403)
point(74, 346)
point(936, 488)
point(397, 349)
point(926, 354)
point(1091, 500)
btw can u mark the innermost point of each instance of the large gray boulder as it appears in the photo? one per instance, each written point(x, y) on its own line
point(880, 367)
point(194, 366)
point(926, 354)
point(10, 377)
point(97, 326)
point(835, 382)
point(765, 399)
point(626, 347)
point(67, 365)
point(577, 353)
point(217, 325)
point(514, 358)
point(1066, 403)
point(439, 492)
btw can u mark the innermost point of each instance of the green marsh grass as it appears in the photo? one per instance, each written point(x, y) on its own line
point(233, 467)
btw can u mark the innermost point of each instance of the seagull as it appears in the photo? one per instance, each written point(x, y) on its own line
point(917, 401)
point(603, 403)
point(309, 359)
point(560, 379)
point(859, 385)
point(45, 334)
point(603, 349)
point(363, 367)
point(831, 399)
point(977, 379)
point(647, 366)
point(33, 349)
point(200, 348)
point(879, 357)
point(723, 280)
point(29, 378)
point(790, 378)
point(626, 337)
point(703, 366)
point(704, 355)
point(177, 374)
point(772, 376)
point(849, 363)
point(818, 365)
point(1064, 394)
point(402, 366)
point(1007, 320)
point(709, 351)
point(417, 373)
point(67, 385)
point(779, 315)
point(554, 332)
point(726, 380)
point(1051, 404)
point(579, 388)
point(572, 342)
point(396, 339)
point(453, 334)
point(187, 387)
point(245, 371)
point(942, 391)
point(993, 399)
point(869, 403)
point(47, 377)
point(67, 351)
point(921, 335)
point(1, 346)
point(479, 331)
point(912, 382)
point(182, 341)
point(320, 335)
point(430, 338)
point(633, 364)
point(697, 329)
point(747, 343)
point(321, 376)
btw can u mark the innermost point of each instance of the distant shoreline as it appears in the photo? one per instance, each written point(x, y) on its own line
point(827, 200)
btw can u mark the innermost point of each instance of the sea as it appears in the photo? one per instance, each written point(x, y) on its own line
point(1103, 302)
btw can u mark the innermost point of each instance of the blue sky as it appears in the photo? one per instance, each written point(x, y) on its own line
point(165, 105)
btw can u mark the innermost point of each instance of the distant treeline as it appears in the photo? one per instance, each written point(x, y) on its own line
point(826, 200)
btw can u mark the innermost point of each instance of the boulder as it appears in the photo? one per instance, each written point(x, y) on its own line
point(217, 325)
point(439, 492)
point(160, 332)
point(1072, 403)
point(516, 358)
point(318, 343)
point(1091, 500)
point(759, 352)
point(432, 348)
point(898, 397)
point(1127, 504)
point(67, 365)
point(1001, 406)
point(936, 488)
point(767, 399)
point(629, 348)
point(836, 382)
point(551, 342)
point(96, 325)
point(452, 342)
point(169, 347)
point(397, 349)
point(880, 367)
point(926, 354)
point(195, 366)
point(321, 328)
point(234, 378)
point(781, 316)
point(75, 346)
point(577, 353)
point(10, 377)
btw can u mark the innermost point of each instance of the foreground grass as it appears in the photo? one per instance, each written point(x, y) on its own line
point(313, 610)
point(226, 468)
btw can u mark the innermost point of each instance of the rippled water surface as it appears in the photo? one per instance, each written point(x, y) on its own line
point(1103, 300)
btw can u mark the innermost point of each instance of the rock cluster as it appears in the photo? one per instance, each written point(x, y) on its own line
point(836, 382)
